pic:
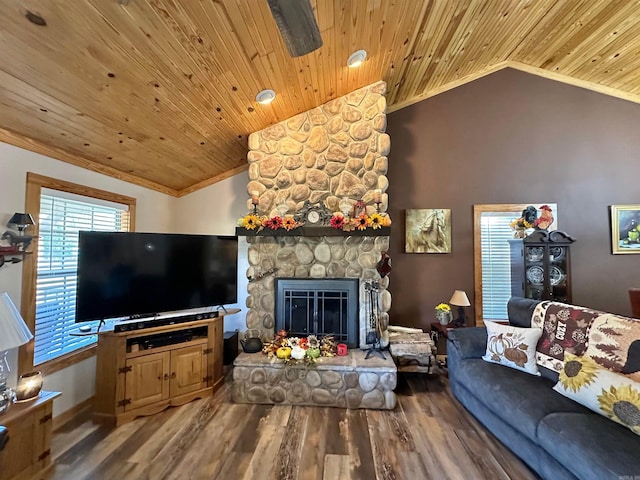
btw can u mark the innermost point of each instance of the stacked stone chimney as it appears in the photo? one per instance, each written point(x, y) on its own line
point(336, 150)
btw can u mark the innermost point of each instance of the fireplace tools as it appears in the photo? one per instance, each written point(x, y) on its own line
point(372, 289)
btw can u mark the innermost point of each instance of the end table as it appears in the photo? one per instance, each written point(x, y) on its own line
point(29, 424)
point(440, 334)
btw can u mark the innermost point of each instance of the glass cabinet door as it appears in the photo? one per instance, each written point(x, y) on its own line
point(558, 268)
point(534, 272)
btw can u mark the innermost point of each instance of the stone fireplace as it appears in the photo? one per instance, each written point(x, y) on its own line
point(335, 151)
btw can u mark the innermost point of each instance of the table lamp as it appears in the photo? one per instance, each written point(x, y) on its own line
point(13, 333)
point(460, 300)
point(21, 221)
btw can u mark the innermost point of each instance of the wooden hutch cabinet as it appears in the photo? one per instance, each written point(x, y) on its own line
point(541, 266)
point(142, 372)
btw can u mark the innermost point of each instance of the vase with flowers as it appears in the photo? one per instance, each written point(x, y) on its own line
point(443, 314)
point(520, 226)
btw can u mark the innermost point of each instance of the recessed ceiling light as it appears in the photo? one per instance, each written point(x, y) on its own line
point(356, 58)
point(265, 97)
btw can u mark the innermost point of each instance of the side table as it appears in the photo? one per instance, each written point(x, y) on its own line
point(29, 425)
point(440, 334)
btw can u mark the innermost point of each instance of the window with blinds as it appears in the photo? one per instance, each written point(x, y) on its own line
point(495, 233)
point(62, 216)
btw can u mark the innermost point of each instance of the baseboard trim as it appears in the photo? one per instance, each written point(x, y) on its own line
point(68, 415)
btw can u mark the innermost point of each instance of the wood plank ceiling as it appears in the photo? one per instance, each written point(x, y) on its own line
point(162, 92)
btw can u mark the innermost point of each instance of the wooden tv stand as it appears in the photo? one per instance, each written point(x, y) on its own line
point(144, 371)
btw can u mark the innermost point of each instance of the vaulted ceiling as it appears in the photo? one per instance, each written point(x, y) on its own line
point(161, 93)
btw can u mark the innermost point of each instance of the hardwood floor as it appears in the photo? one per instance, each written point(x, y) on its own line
point(428, 436)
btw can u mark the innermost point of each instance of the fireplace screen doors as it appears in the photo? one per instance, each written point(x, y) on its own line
point(318, 307)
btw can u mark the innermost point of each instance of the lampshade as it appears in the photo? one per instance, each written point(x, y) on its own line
point(459, 299)
point(21, 220)
point(13, 331)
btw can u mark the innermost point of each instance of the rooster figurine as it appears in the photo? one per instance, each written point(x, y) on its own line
point(545, 219)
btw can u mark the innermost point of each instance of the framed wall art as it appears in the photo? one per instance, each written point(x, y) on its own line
point(428, 230)
point(625, 229)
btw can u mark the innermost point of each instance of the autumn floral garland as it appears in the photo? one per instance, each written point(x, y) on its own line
point(361, 222)
point(259, 222)
point(338, 221)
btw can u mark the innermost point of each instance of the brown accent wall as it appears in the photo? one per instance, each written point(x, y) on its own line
point(512, 137)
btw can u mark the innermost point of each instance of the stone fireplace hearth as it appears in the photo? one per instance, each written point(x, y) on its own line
point(343, 382)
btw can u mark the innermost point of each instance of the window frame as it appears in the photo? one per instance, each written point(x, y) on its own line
point(478, 210)
point(34, 186)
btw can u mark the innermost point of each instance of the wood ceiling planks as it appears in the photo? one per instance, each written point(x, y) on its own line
point(162, 92)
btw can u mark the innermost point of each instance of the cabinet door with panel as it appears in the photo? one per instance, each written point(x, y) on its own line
point(188, 369)
point(147, 379)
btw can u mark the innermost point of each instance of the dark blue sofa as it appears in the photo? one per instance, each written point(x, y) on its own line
point(555, 436)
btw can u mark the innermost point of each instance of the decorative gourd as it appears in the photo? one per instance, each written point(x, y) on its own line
point(283, 353)
point(313, 352)
point(297, 353)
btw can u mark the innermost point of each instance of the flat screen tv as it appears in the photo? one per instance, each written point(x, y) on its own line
point(125, 274)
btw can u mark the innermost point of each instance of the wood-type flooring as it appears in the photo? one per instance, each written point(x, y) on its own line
point(429, 435)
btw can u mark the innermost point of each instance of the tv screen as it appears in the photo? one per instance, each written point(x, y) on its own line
point(122, 274)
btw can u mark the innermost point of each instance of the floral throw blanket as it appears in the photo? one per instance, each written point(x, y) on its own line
point(610, 340)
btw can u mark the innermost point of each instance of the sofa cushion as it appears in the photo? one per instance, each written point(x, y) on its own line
point(525, 448)
point(576, 441)
point(468, 342)
point(521, 400)
point(615, 396)
point(512, 347)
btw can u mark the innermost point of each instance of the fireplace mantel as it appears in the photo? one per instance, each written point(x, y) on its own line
point(313, 232)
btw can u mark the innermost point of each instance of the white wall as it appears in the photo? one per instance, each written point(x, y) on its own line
point(215, 211)
point(212, 210)
point(153, 214)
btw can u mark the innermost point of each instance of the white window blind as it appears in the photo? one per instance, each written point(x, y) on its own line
point(496, 264)
point(62, 216)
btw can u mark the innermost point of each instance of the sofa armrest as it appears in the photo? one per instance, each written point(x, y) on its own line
point(4, 437)
point(468, 342)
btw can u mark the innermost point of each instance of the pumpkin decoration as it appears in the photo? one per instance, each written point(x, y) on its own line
point(516, 355)
point(283, 353)
point(313, 352)
point(507, 346)
point(297, 352)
